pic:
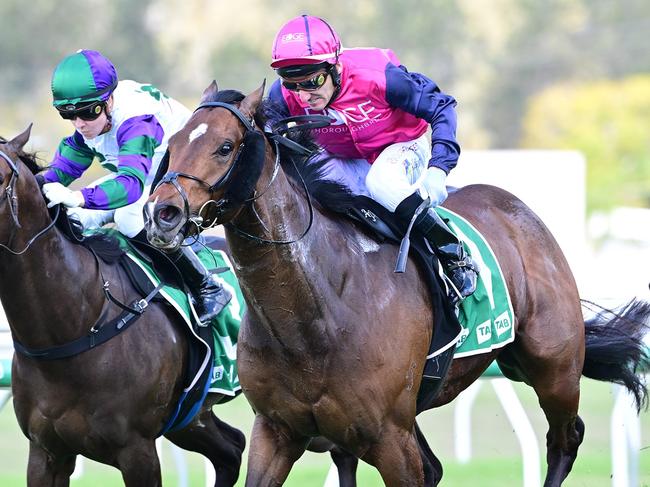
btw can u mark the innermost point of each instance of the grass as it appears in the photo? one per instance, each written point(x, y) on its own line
point(494, 463)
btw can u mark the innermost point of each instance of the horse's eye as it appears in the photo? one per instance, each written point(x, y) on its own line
point(225, 149)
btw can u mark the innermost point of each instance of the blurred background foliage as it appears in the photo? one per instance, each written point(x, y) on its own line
point(540, 74)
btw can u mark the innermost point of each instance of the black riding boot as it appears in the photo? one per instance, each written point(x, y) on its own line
point(458, 265)
point(209, 295)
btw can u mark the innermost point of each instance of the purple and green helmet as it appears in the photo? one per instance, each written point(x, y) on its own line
point(83, 78)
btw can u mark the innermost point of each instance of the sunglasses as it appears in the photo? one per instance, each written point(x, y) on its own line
point(87, 113)
point(310, 84)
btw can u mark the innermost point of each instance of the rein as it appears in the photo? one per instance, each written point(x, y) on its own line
point(276, 136)
point(101, 331)
point(10, 195)
point(257, 239)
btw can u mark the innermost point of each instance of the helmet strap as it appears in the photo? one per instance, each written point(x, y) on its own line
point(336, 79)
point(109, 119)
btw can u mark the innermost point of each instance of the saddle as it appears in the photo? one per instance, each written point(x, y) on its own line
point(446, 327)
point(196, 380)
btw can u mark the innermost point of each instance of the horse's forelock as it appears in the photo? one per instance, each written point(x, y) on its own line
point(233, 97)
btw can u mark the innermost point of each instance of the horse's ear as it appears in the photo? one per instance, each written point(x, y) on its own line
point(209, 92)
point(252, 101)
point(19, 141)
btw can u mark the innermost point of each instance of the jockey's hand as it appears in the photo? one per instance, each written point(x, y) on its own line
point(433, 183)
point(56, 193)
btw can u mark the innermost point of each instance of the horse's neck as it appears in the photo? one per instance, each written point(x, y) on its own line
point(284, 284)
point(50, 293)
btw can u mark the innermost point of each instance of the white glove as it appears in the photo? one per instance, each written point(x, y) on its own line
point(57, 193)
point(433, 184)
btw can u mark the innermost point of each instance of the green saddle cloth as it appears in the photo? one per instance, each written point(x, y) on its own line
point(486, 316)
point(225, 326)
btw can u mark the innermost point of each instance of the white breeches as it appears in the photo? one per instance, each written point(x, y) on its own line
point(396, 173)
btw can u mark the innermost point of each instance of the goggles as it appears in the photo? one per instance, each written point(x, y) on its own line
point(88, 113)
point(310, 84)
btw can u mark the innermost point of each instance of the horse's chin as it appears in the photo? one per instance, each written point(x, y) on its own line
point(165, 242)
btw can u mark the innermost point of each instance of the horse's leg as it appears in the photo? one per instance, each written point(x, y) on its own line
point(346, 465)
point(551, 358)
point(565, 433)
point(222, 444)
point(273, 451)
point(397, 457)
point(139, 464)
point(430, 463)
point(42, 469)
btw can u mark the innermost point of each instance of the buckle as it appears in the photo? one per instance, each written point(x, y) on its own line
point(141, 305)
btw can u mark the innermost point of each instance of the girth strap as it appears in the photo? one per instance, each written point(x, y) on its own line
point(97, 335)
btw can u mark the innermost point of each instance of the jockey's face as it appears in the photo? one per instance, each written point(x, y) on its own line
point(316, 98)
point(92, 128)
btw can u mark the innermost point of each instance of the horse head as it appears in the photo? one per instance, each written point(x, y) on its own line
point(215, 162)
point(13, 155)
point(18, 187)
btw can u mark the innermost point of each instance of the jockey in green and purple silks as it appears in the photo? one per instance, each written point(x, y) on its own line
point(125, 125)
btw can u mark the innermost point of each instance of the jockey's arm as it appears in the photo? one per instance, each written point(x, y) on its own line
point(137, 138)
point(420, 96)
point(72, 158)
point(278, 106)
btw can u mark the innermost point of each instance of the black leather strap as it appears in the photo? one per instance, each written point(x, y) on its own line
point(97, 335)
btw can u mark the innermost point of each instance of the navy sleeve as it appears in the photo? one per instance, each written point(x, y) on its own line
point(418, 95)
point(278, 106)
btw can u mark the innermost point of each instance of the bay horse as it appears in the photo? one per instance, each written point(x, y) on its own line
point(108, 403)
point(334, 343)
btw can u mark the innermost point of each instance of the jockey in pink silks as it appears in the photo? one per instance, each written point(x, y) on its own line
point(380, 113)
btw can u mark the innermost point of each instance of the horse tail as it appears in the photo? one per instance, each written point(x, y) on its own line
point(615, 350)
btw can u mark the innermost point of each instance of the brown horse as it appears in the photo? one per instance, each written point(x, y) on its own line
point(334, 343)
point(108, 403)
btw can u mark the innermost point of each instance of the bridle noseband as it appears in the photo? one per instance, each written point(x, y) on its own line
point(12, 201)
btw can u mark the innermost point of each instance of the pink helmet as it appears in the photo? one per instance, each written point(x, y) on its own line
point(305, 40)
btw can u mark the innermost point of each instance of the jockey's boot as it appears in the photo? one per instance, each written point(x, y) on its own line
point(458, 265)
point(209, 295)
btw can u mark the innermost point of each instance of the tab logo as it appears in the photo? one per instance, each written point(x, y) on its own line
point(484, 332)
point(462, 337)
point(502, 323)
point(217, 373)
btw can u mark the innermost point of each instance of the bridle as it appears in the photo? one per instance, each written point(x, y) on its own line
point(9, 195)
point(221, 205)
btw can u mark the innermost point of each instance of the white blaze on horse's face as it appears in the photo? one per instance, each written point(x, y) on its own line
point(198, 131)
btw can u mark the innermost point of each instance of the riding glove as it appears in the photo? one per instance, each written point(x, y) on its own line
point(433, 183)
point(56, 193)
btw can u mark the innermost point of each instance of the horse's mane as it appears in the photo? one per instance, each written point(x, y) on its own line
point(299, 167)
point(105, 246)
